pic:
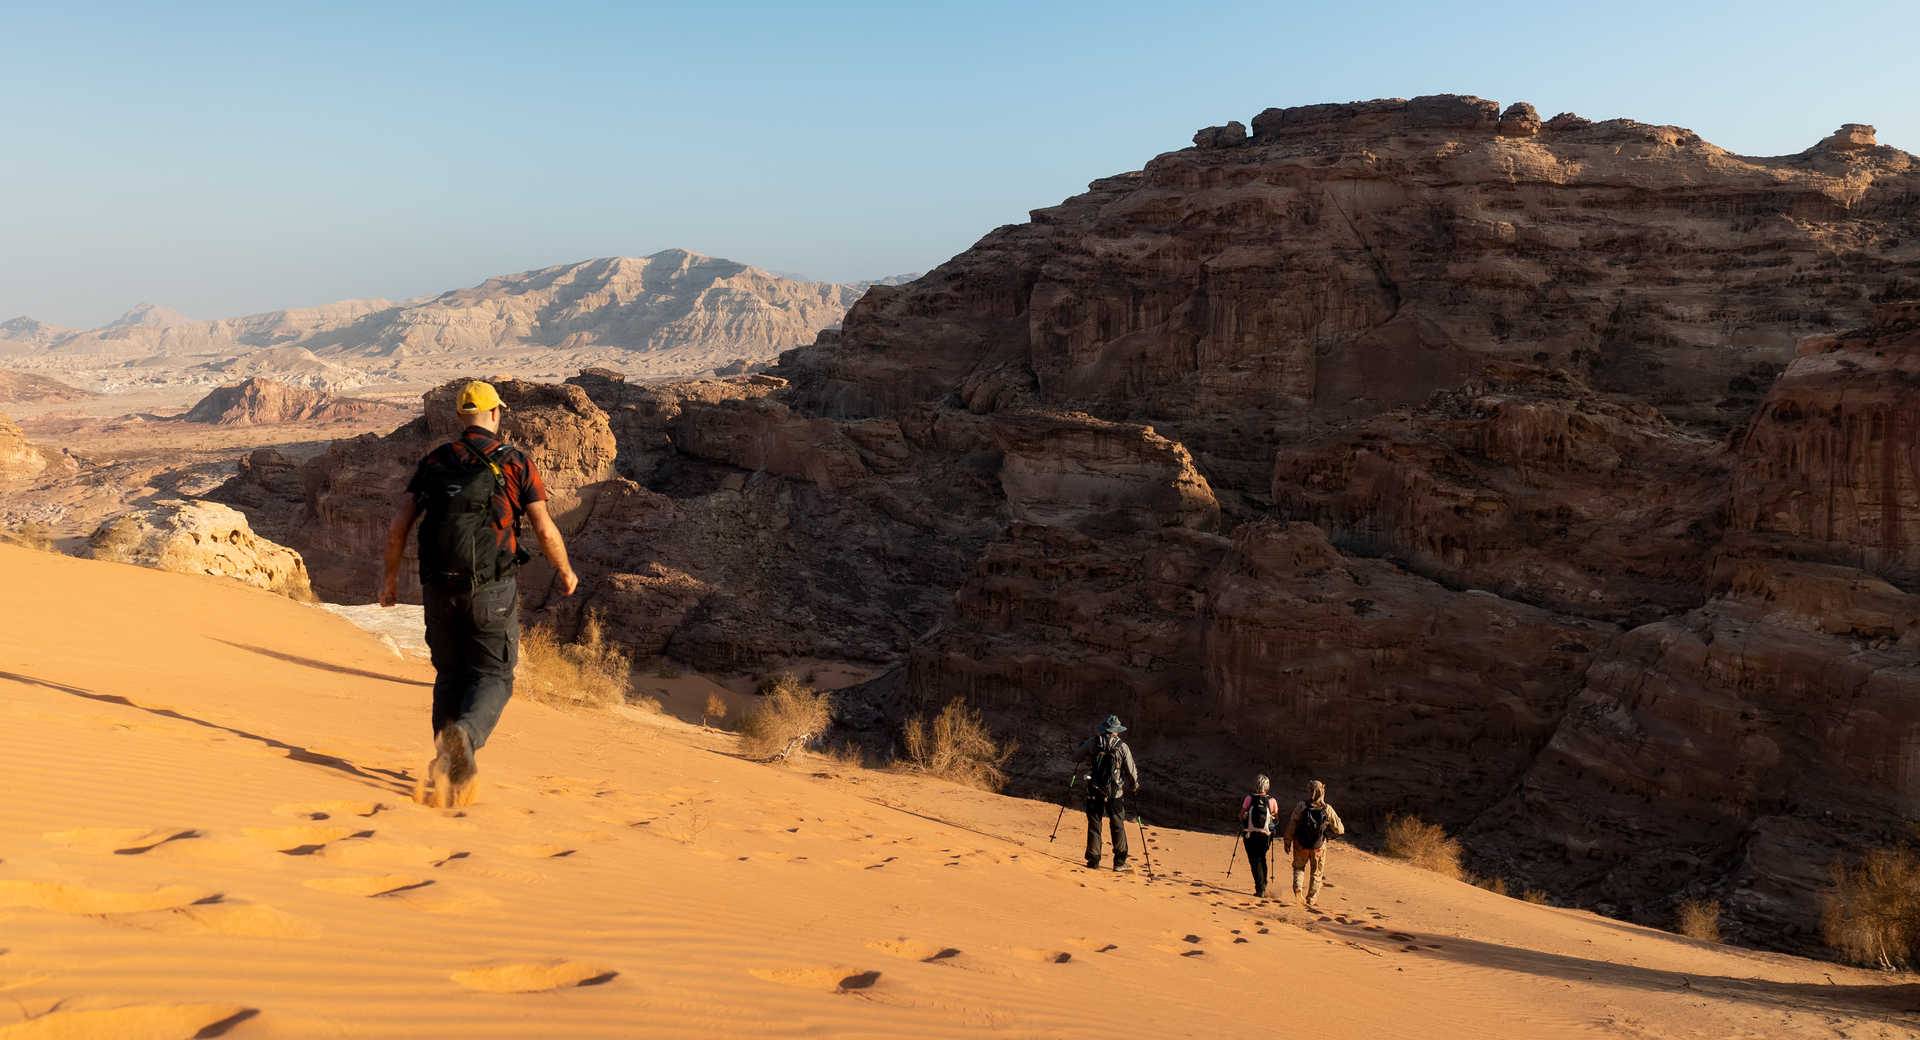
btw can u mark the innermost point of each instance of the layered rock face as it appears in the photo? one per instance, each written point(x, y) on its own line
point(1432, 449)
point(258, 401)
point(1739, 748)
point(200, 538)
point(1830, 468)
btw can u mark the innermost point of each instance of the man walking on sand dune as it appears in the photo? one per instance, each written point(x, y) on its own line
point(469, 497)
point(1110, 772)
point(1312, 823)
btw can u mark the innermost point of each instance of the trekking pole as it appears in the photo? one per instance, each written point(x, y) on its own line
point(1071, 781)
point(1145, 846)
point(1232, 855)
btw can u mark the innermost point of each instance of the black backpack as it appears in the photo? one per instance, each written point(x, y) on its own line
point(1311, 827)
point(1260, 814)
point(458, 499)
point(1104, 781)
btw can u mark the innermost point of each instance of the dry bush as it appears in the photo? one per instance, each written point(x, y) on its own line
point(1496, 885)
point(789, 718)
point(1535, 896)
point(590, 671)
point(1425, 845)
point(957, 746)
point(38, 537)
point(1698, 919)
point(1872, 916)
point(715, 710)
point(848, 756)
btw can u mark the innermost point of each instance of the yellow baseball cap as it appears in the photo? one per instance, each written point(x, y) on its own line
point(479, 396)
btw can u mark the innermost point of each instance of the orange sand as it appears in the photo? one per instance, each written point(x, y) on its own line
point(205, 830)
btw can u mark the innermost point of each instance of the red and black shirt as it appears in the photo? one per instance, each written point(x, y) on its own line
point(521, 483)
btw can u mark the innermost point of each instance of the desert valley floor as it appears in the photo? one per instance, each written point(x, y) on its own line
point(207, 831)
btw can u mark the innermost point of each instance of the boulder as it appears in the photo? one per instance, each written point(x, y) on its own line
point(1519, 120)
point(1232, 135)
point(200, 538)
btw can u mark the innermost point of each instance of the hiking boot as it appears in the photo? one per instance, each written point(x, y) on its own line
point(1093, 864)
point(1121, 867)
point(456, 751)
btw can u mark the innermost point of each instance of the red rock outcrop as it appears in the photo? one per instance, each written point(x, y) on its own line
point(260, 402)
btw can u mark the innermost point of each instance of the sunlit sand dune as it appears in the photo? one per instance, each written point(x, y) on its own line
point(206, 831)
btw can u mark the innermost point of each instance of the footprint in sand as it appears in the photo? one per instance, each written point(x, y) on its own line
point(914, 950)
point(64, 898)
point(329, 810)
point(831, 980)
point(542, 851)
point(304, 839)
point(533, 976)
point(370, 886)
point(1043, 956)
point(150, 1021)
point(121, 841)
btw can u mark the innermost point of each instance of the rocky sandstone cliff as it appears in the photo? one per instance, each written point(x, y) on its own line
point(1520, 473)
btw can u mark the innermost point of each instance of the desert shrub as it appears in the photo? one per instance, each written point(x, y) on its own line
point(848, 756)
point(789, 717)
point(1496, 885)
point(1872, 916)
point(715, 710)
point(38, 537)
point(1698, 919)
point(1534, 896)
point(1423, 844)
point(957, 746)
point(590, 671)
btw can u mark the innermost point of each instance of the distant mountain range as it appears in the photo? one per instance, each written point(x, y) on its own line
point(672, 301)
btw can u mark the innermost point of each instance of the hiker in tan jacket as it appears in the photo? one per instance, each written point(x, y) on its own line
point(1312, 823)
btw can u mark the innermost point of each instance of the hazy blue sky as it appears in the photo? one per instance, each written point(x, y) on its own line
point(223, 159)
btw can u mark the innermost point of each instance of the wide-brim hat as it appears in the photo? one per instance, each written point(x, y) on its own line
point(1112, 725)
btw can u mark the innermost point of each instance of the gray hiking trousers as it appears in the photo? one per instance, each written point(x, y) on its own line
point(1114, 812)
point(473, 636)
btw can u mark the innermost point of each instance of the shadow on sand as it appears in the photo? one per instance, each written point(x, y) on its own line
point(384, 779)
point(1897, 1003)
point(325, 666)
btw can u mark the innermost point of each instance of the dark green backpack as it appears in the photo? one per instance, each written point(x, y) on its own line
point(457, 500)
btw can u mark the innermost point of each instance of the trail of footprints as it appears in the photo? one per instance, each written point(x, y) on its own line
point(339, 833)
point(335, 833)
